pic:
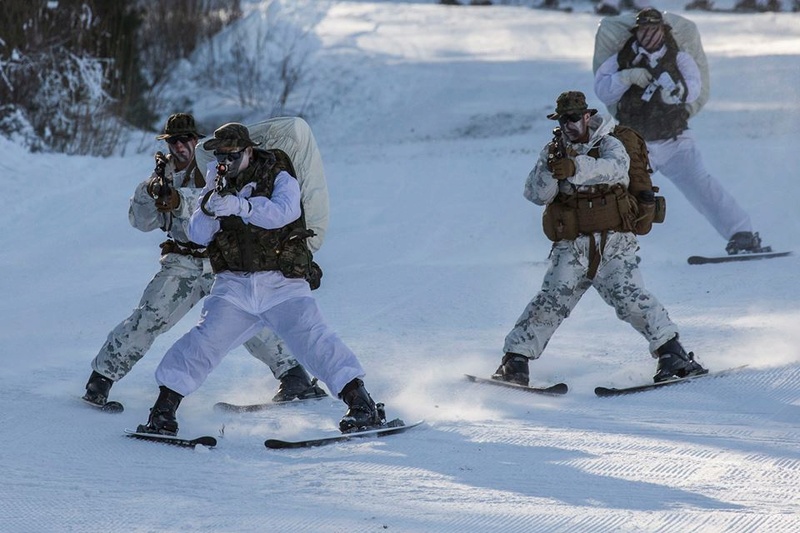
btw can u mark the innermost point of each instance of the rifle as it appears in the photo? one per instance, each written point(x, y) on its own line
point(160, 189)
point(556, 148)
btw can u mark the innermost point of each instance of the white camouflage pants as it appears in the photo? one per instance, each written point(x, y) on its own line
point(618, 281)
point(240, 305)
point(681, 162)
point(176, 288)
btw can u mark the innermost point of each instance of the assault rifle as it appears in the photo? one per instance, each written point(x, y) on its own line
point(556, 148)
point(160, 189)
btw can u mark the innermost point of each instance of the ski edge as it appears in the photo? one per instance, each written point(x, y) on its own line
point(607, 392)
point(206, 440)
point(225, 407)
point(281, 444)
point(558, 389)
point(704, 260)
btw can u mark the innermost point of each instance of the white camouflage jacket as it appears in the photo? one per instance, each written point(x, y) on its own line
point(144, 216)
point(610, 168)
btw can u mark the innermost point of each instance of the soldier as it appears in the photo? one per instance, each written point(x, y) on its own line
point(250, 218)
point(165, 201)
point(582, 179)
point(650, 83)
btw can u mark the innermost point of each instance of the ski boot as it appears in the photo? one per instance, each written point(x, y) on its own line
point(674, 362)
point(363, 413)
point(296, 385)
point(97, 389)
point(514, 369)
point(746, 242)
point(162, 419)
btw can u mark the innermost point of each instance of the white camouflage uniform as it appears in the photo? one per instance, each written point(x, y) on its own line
point(618, 280)
point(184, 280)
point(678, 157)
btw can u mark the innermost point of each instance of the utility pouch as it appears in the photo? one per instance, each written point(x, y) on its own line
point(560, 222)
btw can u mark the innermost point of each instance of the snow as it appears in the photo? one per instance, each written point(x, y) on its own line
point(431, 256)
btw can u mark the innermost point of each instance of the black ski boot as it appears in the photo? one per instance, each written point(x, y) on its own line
point(296, 385)
point(746, 242)
point(97, 389)
point(513, 369)
point(674, 362)
point(162, 415)
point(363, 413)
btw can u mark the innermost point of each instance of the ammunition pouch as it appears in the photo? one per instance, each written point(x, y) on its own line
point(172, 247)
point(602, 208)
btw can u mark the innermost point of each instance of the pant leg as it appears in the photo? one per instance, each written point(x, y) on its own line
point(172, 292)
point(268, 348)
point(564, 284)
point(223, 326)
point(619, 282)
point(681, 162)
point(300, 324)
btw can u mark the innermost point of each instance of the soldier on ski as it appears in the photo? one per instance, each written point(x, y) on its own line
point(650, 85)
point(165, 201)
point(250, 219)
point(582, 179)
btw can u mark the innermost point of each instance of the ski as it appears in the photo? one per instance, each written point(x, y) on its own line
point(553, 390)
point(605, 392)
point(389, 428)
point(108, 407)
point(175, 441)
point(224, 407)
point(702, 260)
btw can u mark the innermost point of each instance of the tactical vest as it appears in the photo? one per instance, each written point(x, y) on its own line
point(242, 247)
point(653, 119)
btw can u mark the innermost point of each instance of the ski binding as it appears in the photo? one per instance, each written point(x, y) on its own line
point(558, 389)
point(108, 407)
point(389, 428)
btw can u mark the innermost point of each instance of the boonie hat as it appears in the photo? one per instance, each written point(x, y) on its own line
point(230, 135)
point(179, 124)
point(570, 102)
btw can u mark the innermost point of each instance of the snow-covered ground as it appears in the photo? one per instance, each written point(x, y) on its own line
point(431, 256)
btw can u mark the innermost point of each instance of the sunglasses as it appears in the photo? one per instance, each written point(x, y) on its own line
point(570, 117)
point(183, 139)
point(648, 18)
point(229, 156)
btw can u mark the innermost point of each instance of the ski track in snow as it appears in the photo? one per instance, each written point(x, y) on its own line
point(431, 255)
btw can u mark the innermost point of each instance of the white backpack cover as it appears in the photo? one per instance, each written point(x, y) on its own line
point(613, 32)
point(292, 135)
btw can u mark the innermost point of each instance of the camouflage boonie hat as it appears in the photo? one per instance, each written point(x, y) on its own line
point(230, 135)
point(570, 102)
point(179, 124)
point(647, 17)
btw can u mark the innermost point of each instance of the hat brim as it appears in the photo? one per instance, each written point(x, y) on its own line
point(213, 144)
point(179, 134)
point(556, 116)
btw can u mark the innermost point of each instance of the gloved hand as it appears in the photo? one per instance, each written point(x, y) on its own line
point(674, 95)
point(562, 168)
point(636, 76)
point(228, 205)
point(168, 202)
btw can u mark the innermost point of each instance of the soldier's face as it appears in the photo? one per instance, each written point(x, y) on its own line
point(575, 127)
point(182, 150)
point(650, 36)
point(236, 159)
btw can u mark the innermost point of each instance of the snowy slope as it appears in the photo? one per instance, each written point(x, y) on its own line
point(431, 256)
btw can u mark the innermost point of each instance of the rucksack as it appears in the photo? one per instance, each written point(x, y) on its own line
point(651, 208)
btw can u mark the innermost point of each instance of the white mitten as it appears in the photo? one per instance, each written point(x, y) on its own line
point(636, 76)
point(228, 205)
point(673, 96)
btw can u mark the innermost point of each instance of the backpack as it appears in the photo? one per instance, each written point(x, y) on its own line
point(650, 208)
